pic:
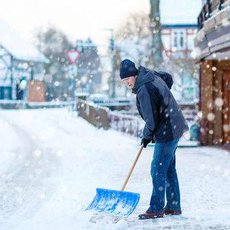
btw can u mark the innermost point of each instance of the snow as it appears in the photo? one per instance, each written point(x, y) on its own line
point(52, 161)
point(180, 11)
point(15, 45)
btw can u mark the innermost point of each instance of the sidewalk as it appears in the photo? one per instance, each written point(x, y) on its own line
point(204, 176)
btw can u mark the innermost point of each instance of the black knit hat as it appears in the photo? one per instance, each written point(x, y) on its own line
point(127, 69)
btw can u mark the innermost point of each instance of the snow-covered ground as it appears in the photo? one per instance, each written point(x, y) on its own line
point(51, 163)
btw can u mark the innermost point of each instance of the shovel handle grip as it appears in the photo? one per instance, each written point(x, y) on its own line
point(132, 168)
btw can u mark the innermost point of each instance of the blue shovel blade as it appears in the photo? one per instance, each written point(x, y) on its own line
point(119, 203)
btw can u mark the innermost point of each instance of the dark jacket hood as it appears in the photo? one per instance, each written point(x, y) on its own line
point(144, 75)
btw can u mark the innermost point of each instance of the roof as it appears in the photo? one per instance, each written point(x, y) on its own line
point(179, 26)
point(17, 47)
point(180, 11)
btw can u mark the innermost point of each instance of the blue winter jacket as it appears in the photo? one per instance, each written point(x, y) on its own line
point(163, 118)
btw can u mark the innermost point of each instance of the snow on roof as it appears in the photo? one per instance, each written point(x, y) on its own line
point(180, 11)
point(17, 47)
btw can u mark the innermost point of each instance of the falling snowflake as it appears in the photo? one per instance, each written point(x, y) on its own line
point(161, 189)
point(211, 132)
point(56, 83)
point(42, 196)
point(219, 102)
point(226, 128)
point(211, 116)
point(214, 68)
point(37, 153)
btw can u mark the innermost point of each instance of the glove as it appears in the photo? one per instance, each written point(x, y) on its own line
point(145, 142)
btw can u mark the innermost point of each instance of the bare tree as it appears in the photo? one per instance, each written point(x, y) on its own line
point(136, 25)
point(135, 35)
point(155, 26)
point(52, 42)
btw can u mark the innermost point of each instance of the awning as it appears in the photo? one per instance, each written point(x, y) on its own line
point(219, 56)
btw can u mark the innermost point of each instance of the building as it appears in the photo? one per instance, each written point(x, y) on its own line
point(179, 27)
point(21, 67)
point(212, 46)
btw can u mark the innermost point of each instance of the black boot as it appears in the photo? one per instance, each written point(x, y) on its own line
point(172, 212)
point(151, 215)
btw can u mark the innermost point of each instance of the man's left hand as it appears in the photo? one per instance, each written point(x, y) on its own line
point(145, 142)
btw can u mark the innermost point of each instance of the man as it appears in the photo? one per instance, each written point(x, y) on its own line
point(164, 125)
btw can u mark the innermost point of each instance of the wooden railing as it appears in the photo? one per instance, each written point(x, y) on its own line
point(210, 8)
point(129, 124)
point(102, 117)
point(94, 114)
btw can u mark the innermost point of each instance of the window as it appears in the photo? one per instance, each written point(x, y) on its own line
point(178, 39)
point(181, 40)
point(175, 40)
point(5, 92)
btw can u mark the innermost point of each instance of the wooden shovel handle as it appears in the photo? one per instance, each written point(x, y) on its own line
point(131, 170)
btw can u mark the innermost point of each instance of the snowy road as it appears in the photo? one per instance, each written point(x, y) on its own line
point(51, 162)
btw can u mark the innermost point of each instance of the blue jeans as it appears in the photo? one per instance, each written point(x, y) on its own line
point(164, 177)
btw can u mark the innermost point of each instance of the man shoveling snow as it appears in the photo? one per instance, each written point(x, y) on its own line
point(164, 125)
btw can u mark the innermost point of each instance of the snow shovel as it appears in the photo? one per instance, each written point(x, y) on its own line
point(118, 203)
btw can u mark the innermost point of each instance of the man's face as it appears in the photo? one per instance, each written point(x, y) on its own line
point(129, 81)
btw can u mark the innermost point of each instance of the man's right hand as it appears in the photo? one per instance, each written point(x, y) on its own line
point(145, 142)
